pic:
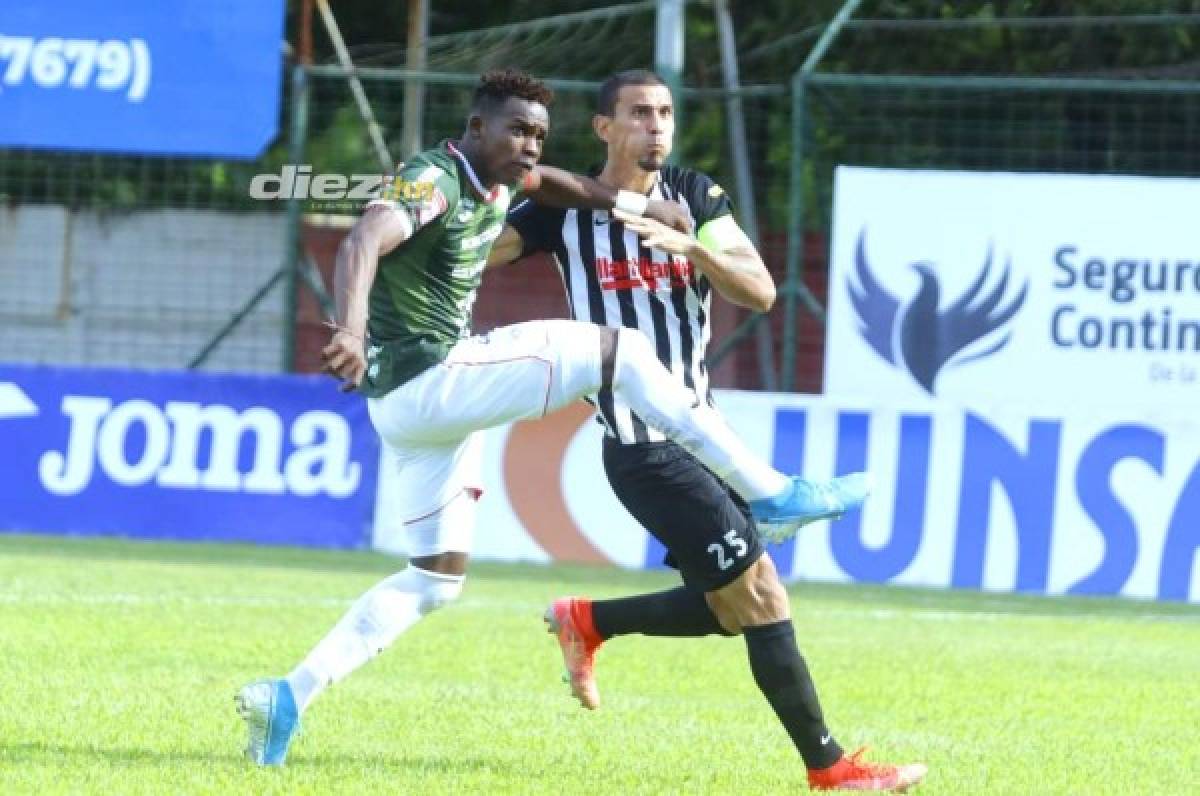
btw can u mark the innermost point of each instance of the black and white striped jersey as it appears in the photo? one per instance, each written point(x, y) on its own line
point(613, 280)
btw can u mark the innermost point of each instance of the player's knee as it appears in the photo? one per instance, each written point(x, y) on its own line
point(434, 589)
point(608, 354)
point(728, 623)
point(630, 344)
point(623, 351)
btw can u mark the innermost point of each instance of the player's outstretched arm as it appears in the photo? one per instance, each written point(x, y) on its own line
point(380, 230)
point(554, 187)
point(721, 250)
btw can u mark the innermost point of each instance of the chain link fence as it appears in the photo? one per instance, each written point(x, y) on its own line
point(338, 142)
point(167, 262)
point(1111, 95)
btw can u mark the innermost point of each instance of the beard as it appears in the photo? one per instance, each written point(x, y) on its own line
point(650, 162)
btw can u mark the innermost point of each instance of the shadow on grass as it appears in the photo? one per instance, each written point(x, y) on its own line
point(46, 752)
point(427, 764)
point(18, 753)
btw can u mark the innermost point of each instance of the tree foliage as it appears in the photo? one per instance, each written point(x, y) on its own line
point(1139, 133)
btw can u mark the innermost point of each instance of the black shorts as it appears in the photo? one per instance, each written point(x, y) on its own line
point(707, 529)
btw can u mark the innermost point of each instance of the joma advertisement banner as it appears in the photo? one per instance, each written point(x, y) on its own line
point(182, 455)
point(1043, 289)
point(1081, 502)
point(185, 77)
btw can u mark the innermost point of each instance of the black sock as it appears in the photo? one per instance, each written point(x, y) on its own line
point(783, 678)
point(677, 612)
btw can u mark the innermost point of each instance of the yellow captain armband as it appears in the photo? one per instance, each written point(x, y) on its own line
point(722, 234)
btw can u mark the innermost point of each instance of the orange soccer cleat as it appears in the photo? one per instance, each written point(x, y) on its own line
point(570, 620)
point(852, 773)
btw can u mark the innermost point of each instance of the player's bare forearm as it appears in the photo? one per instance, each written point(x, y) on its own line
point(357, 262)
point(557, 188)
point(506, 249)
point(737, 274)
point(380, 230)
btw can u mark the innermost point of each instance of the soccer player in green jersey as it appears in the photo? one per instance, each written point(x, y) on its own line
point(405, 282)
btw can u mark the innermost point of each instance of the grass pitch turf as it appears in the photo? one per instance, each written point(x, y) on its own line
point(119, 661)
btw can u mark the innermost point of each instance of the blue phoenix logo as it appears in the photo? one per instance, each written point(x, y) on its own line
point(920, 337)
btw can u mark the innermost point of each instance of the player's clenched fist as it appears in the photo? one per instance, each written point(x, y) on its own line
point(670, 213)
point(343, 359)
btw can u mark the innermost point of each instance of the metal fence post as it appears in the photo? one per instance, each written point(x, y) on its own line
point(668, 52)
point(793, 286)
point(297, 136)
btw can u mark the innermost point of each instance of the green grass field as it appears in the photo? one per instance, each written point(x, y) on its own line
point(118, 663)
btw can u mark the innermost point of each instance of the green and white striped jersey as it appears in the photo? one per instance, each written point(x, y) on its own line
point(421, 299)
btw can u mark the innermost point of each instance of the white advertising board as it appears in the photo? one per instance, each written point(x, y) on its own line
point(1043, 289)
point(1086, 502)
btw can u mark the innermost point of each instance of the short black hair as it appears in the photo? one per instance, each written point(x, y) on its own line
point(496, 86)
point(607, 103)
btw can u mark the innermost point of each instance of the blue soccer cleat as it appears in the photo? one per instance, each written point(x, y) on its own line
point(269, 708)
point(804, 502)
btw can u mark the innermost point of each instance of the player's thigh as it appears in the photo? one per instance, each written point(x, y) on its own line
point(513, 373)
point(429, 505)
point(707, 531)
point(527, 370)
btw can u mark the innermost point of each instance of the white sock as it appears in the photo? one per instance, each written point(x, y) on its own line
point(641, 381)
point(370, 626)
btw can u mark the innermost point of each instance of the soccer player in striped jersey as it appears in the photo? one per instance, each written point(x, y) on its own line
point(635, 273)
point(405, 282)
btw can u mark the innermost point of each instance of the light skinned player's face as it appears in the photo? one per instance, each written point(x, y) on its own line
point(642, 127)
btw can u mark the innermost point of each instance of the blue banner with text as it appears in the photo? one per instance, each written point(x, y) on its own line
point(185, 455)
point(189, 77)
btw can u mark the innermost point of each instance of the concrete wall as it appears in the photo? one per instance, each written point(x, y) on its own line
point(141, 289)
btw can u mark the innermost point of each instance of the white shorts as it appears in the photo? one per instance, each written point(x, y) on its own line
point(513, 373)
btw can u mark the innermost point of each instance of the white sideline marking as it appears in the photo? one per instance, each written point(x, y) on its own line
point(801, 614)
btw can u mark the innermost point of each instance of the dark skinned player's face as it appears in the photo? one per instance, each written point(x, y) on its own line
point(510, 139)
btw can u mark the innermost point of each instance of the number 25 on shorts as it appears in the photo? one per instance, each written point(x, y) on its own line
point(736, 543)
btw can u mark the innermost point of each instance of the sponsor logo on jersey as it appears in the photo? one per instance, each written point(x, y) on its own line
point(643, 273)
point(401, 190)
point(487, 236)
